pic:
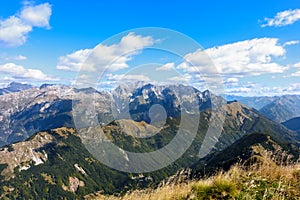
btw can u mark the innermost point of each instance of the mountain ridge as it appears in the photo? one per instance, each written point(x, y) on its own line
point(283, 108)
point(15, 87)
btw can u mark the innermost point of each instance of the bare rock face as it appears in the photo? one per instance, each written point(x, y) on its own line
point(24, 154)
point(74, 184)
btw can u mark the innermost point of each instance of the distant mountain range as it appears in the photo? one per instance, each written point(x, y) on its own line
point(277, 108)
point(15, 87)
point(283, 108)
point(253, 102)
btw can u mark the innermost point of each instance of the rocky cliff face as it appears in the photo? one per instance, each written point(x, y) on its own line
point(27, 112)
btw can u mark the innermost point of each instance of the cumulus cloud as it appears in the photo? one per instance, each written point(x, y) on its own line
point(249, 57)
point(37, 16)
point(14, 30)
point(111, 57)
point(73, 61)
point(18, 72)
point(166, 67)
point(283, 18)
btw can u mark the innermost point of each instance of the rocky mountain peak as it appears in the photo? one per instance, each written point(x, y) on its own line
point(15, 87)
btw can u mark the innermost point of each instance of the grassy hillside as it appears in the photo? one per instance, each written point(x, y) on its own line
point(248, 150)
point(271, 174)
point(293, 124)
point(60, 167)
point(264, 182)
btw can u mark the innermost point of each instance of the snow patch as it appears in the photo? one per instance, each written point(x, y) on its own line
point(26, 167)
point(37, 160)
point(47, 105)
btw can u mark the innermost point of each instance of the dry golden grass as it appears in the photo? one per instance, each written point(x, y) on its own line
point(266, 179)
point(169, 192)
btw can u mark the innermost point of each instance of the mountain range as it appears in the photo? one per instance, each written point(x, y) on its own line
point(277, 108)
point(49, 106)
point(54, 157)
point(14, 87)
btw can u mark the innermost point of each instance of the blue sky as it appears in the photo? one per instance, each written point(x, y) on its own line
point(36, 37)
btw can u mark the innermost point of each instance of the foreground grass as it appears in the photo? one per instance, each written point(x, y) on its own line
point(266, 181)
point(268, 177)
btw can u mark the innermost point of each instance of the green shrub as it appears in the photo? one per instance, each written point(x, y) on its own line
point(216, 189)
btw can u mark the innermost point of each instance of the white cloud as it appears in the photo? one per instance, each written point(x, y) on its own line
point(179, 79)
point(83, 81)
point(232, 80)
point(133, 42)
point(11, 68)
point(292, 42)
point(249, 57)
point(37, 16)
point(128, 77)
point(238, 90)
point(242, 89)
point(293, 88)
point(297, 65)
point(19, 57)
point(112, 57)
point(6, 57)
point(296, 73)
point(252, 89)
point(283, 18)
point(21, 73)
point(166, 67)
point(73, 61)
point(14, 30)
